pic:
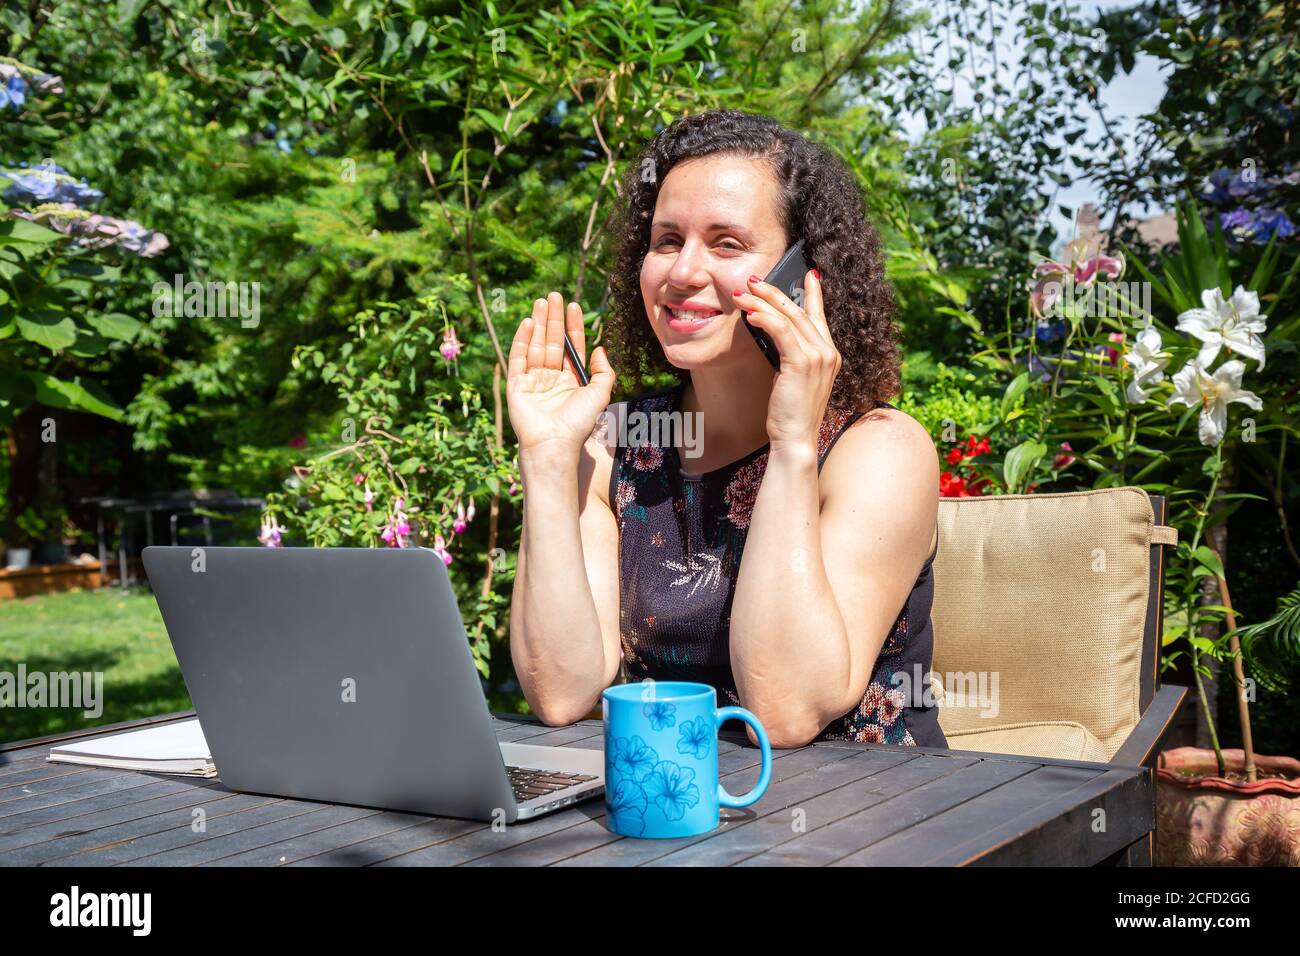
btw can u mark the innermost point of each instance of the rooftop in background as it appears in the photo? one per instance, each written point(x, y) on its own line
point(1160, 230)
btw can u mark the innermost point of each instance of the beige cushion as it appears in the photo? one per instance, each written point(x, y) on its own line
point(1062, 739)
point(1039, 607)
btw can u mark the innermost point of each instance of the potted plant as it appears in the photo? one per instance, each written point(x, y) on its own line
point(51, 549)
point(31, 529)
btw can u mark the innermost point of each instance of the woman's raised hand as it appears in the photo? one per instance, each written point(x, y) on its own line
point(549, 407)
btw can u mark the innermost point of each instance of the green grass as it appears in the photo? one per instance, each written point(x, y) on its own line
point(118, 634)
point(121, 635)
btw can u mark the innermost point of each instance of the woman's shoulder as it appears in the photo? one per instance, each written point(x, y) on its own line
point(887, 446)
point(883, 426)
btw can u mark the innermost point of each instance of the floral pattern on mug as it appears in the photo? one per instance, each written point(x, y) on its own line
point(660, 714)
point(672, 790)
point(633, 759)
point(627, 805)
point(694, 736)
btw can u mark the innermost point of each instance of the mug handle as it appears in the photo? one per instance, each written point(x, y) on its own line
point(725, 799)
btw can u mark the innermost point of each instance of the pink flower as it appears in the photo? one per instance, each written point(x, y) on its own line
point(398, 529)
point(440, 546)
point(1064, 460)
point(450, 348)
point(1112, 355)
point(1050, 278)
point(271, 531)
point(458, 526)
point(358, 478)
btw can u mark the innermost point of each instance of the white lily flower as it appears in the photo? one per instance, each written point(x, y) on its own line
point(1232, 323)
point(1148, 363)
point(1193, 385)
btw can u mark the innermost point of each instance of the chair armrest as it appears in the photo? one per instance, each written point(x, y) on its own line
point(1142, 745)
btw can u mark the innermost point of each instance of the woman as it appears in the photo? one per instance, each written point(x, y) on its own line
point(823, 631)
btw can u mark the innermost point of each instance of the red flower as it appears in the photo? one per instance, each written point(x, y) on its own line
point(974, 448)
point(954, 456)
point(1063, 461)
point(950, 486)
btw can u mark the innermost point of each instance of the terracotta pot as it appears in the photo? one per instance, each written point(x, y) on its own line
point(1203, 819)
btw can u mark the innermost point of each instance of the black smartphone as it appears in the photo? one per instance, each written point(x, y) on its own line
point(787, 275)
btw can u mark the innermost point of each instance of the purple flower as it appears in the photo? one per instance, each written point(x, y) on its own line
point(1256, 226)
point(48, 184)
point(271, 532)
point(14, 93)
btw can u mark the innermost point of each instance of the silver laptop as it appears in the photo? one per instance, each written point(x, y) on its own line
point(344, 675)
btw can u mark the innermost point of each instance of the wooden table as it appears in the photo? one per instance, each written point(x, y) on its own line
point(829, 803)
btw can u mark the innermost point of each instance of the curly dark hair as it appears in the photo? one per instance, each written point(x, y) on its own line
point(820, 203)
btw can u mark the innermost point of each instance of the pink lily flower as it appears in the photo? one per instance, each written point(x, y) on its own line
point(1050, 277)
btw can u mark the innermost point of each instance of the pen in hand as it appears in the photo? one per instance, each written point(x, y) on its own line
point(572, 353)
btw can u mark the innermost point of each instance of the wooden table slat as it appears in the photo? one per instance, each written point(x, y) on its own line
point(82, 814)
point(917, 790)
point(1053, 837)
point(287, 818)
point(93, 782)
point(1038, 788)
point(118, 826)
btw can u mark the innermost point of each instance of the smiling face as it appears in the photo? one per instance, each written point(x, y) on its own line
point(715, 224)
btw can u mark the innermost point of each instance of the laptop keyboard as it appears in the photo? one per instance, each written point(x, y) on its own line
point(528, 783)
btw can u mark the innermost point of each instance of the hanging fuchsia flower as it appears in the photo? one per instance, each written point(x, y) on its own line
point(271, 531)
point(450, 347)
point(459, 525)
point(1063, 460)
point(358, 478)
point(368, 498)
point(469, 514)
point(440, 546)
point(398, 530)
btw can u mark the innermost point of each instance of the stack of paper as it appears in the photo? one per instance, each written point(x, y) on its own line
point(178, 747)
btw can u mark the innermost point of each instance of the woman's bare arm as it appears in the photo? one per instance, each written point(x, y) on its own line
point(564, 636)
point(829, 562)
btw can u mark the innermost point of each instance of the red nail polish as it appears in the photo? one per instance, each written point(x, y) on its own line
point(818, 275)
point(738, 292)
point(756, 280)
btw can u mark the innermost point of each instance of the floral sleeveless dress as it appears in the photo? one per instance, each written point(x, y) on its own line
point(681, 537)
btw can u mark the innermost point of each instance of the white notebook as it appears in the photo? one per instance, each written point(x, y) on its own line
point(178, 747)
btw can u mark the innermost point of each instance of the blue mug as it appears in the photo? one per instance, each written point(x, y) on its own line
point(661, 758)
